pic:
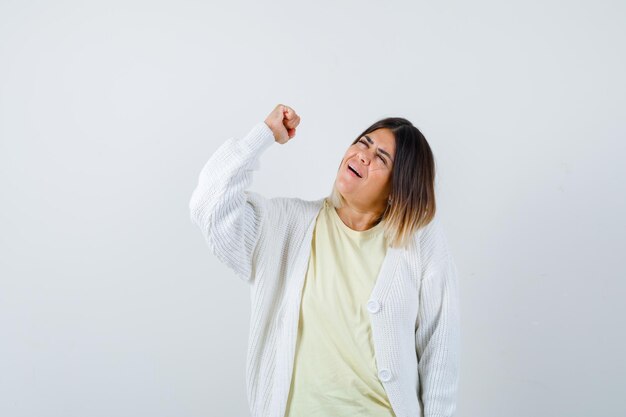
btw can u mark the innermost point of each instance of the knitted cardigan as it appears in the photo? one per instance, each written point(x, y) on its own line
point(266, 242)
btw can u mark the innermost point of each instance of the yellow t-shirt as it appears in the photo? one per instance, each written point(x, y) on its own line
point(335, 372)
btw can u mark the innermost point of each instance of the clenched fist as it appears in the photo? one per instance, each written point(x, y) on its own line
point(283, 121)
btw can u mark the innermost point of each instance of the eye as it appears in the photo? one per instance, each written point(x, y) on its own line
point(364, 143)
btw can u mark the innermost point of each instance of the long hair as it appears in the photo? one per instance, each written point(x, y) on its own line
point(412, 204)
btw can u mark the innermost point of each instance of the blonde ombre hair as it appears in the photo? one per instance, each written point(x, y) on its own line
point(412, 205)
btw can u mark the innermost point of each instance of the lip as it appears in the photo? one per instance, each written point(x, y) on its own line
point(352, 172)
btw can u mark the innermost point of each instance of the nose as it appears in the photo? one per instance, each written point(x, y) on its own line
point(364, 157)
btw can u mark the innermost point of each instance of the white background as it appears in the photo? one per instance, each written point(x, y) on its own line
point(111, 303)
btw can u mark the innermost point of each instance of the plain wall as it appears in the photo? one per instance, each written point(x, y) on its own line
point(111, 303)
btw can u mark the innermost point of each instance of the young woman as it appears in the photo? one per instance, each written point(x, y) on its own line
point(355, 304)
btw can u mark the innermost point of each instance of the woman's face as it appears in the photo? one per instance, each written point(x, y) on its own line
point(372, 156)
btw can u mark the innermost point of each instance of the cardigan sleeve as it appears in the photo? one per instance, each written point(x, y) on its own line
point(230, 217)
point(437, 337)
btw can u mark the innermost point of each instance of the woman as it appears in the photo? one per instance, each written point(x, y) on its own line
point(355, 306)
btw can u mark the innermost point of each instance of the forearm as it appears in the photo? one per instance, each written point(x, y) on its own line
point(219, 205)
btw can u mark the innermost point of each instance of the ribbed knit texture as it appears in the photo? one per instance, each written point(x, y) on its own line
point(266, 242)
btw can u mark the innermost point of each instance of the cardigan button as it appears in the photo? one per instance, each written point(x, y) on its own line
point(373, 306)
point(384, 375)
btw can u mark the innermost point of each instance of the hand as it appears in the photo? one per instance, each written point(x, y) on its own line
point(283, 121)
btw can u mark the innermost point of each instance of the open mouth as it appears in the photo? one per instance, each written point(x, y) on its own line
point(355, 171)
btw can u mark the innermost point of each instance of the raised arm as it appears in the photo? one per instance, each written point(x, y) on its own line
point(231, 217)
point(437, 338)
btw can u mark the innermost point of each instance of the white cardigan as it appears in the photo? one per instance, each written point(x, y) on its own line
point(414, 305)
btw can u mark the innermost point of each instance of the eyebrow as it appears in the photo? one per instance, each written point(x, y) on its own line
point(380, 149)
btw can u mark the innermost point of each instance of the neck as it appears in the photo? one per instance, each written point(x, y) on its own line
point(357, 218)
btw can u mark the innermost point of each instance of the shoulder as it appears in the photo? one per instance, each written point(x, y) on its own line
point(298, 204)
point(286, 210)
point(292, 205)
point(431, 244)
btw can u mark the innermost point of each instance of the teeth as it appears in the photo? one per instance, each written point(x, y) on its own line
point(355, 171)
